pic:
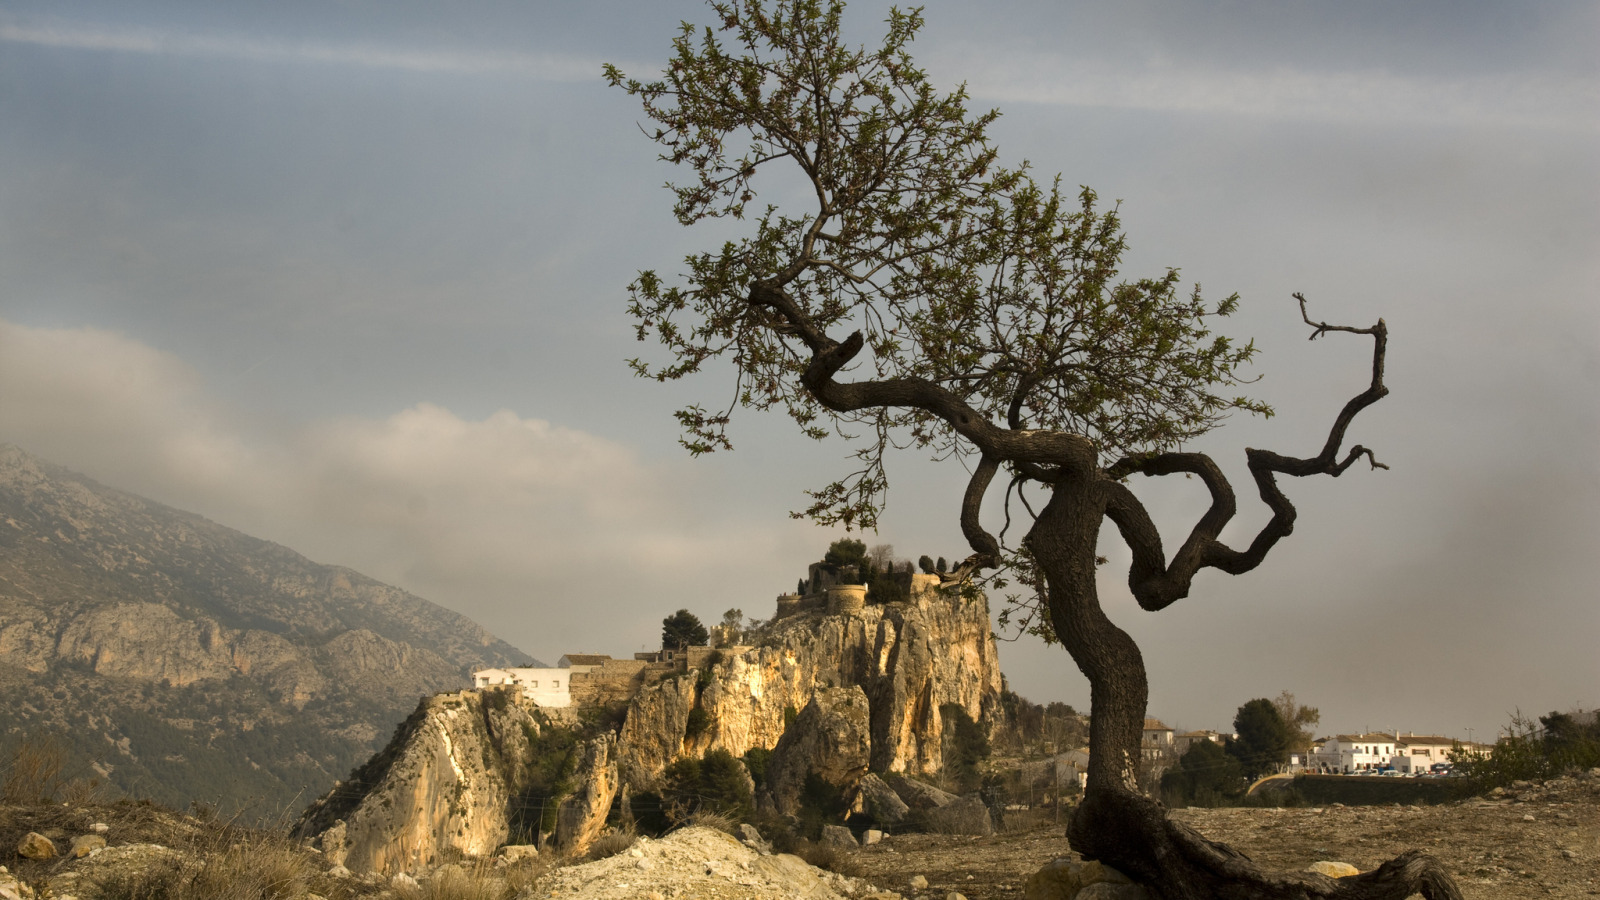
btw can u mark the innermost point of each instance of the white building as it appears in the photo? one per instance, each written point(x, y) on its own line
point(544, 687)
point(1356, 753)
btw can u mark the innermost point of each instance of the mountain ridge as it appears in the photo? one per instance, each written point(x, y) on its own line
point(147, 638)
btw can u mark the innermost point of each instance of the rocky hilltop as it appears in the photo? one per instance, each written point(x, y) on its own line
point(189, 662)
point(831, 694)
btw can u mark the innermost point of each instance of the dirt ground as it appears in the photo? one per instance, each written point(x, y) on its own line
point(1535, 841)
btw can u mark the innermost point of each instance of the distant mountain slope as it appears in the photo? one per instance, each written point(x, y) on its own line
point(193, 662)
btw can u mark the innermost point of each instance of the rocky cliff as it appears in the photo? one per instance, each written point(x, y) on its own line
point(185, 661)
point(889, 672)
point(911, 659)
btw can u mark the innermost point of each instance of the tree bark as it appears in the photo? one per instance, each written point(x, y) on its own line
point(1115, 823)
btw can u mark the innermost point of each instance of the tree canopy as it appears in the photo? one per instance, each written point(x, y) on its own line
point(1263, 741)
point(683, 629)
point(979, 300)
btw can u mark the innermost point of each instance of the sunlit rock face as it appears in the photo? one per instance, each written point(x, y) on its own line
point(443, 787)
point(910, 659)
point(881, 676)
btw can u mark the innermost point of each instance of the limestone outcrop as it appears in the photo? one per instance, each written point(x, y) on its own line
point(442, 787)
point(832, 694)
point(582, 814)
point(910, 659)
point(830, 739)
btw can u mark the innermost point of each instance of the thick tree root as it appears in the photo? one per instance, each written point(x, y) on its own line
point(1174, 862)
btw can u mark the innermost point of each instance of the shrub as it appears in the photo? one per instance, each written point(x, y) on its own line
point(1558, 744)
point(699, 721)
point(33, 773)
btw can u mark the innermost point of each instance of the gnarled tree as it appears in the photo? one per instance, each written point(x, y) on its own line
point(904, 289)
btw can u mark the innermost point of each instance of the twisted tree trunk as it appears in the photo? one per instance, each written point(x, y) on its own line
point(1115, 823)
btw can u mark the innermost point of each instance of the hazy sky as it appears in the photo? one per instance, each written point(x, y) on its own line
point(350, 276)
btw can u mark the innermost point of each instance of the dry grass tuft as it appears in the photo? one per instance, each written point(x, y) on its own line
point(613, 842)
point(266, 868)
point(827, 856)
point(33, 773)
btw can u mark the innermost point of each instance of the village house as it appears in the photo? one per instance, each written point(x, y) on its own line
point(1188, 739)
point(550, 687)
point(1157, 741)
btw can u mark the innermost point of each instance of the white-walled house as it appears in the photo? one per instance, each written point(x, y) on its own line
point(545, 687)
point(1356, 752)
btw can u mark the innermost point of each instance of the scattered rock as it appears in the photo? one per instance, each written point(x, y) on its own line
point(1333, 869)
point(838, 836)
point(955, 895)
point(871, 836)
point(916, 794)
point(1063, 879)
point(11, 888)
point(36, 846)
point(963, 815)
point(87, 844)
point(402, 880)
point(99, 828)
point(919, 883)
point(339, 872)
point(518, 852)
point(752, 837)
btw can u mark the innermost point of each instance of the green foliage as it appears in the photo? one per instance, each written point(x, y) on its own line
point(1300, 720)
point(1558, 744)
point(941, 566)
point(1263, 742)
point(925, 563)
point(1206, 775)
point(725, 785)
point(888, 588)
point(683, 629)
point(755, 762)
point(789, 715)
point(845, 552)
point(699, 721)
point(716, 783)
point(1000, 294)
point(552, 764)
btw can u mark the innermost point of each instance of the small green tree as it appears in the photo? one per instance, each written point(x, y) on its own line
point(1300, 720)
point(925, 563)
point(845, 552)
point(683, 629)
point(731, 631)
point(1263, 742)
point(1206, 775)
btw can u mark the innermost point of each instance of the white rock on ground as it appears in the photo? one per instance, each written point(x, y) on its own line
point(699, 862)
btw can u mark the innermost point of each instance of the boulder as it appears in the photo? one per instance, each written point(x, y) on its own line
point(1065, 879)
point(838, 836)
point(963, 815)
point(875, 798)
point(36, 846)
point(831, 739)
point(86, 844)
point(871, 836)
point(917, 794)
point(512, 853)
